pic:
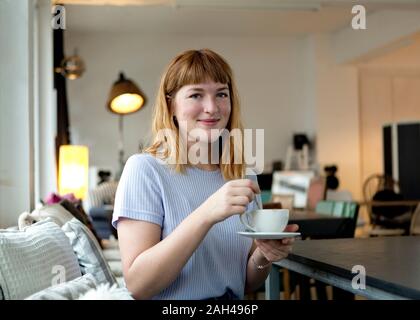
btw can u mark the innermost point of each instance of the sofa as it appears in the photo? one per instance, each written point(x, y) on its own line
point(99, 206)
point(53, 253)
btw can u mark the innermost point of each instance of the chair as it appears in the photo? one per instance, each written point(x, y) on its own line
point(272, 205)
point(316, 192)
point(265, 181)
point(340, 209)
point(266, 196)
point(99, 205)
point(415, 222)
point(325, 207)
point(346, 209)
point(385, 220)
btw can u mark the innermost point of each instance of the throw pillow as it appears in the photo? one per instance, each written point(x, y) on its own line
point(33, 258)
point(106, 292)
point(70, 290)
point(77, 211)
point(88, 251)
point(60, 213)
point(55, 212)
point(116, 268)
point(112, 254)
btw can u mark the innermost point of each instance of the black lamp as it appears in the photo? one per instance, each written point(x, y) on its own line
point(124, 98)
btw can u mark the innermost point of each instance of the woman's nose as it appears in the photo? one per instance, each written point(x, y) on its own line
point(210, 105)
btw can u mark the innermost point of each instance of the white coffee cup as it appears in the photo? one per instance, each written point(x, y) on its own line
point(266, 220)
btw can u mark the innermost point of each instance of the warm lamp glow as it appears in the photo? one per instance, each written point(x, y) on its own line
point(73, 170)
point(125, 97)
point(127, 103)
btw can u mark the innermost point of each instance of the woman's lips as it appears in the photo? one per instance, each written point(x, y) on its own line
point(209, 122)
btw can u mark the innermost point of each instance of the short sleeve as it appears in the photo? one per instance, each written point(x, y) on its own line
point(139, 192)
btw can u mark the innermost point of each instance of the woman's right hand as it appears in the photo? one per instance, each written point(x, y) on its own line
point(230, 199)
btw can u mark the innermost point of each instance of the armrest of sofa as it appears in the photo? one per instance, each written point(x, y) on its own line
point(101, 219)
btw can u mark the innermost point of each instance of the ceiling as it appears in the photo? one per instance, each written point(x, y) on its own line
point(217, 18)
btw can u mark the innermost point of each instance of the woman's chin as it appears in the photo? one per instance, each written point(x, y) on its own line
point(205, 135)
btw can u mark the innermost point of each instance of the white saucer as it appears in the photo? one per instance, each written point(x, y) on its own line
point(269, 235)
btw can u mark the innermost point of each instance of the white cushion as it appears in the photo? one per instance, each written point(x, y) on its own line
point(29, 259)
point(116, 268)
point(88, 251)
point(107, 292)
point(121, 282)
point(112, 254)
point(68, 290)
point(56, 212)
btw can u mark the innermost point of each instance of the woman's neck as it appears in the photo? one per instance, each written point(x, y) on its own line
point(211, 163)
point(206, 166)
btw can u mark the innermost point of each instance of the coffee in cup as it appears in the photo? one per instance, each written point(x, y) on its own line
point(266, 220)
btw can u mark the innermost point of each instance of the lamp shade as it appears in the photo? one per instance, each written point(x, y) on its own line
point(72, 67)
point(125, 97)
point(73, 170)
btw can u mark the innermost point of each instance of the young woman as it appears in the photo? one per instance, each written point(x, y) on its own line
point(178, 216)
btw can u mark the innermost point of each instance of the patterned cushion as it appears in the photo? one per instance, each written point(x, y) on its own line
point(106, 292)
point(116, 268)
point(60, 213)
point(29, 259)
point(112, 254)
point(88, 251)
point(70, 290)
point(55, 212)
point(78, 212)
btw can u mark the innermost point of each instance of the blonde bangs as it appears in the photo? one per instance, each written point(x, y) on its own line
point(195, 67)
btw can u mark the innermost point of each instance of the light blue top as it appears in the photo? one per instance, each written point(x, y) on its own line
point(151, 191)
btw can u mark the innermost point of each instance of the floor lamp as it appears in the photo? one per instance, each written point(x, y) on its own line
point(124, 98)
point(73, 170)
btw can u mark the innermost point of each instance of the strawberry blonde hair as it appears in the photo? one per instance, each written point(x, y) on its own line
point(193, 67)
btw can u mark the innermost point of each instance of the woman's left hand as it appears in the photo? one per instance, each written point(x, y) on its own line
point(275, 250)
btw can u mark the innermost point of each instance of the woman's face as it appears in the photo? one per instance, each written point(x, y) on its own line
point(203, 106)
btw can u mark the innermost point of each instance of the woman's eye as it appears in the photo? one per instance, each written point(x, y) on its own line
point(222, 95)
point(195, 96)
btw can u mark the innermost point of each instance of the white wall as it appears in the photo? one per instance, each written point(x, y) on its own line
point(403, 58)
point(27, 125)
point(15, 103)
point(269, 73)
point(385, 30)
point(45, 115)
point(287, 85)
point(333, 90)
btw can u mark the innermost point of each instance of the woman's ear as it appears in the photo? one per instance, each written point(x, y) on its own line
point(168, 100)
point(169, 103)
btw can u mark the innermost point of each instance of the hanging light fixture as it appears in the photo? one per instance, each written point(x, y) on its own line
point(124, 98)
point(72, 67)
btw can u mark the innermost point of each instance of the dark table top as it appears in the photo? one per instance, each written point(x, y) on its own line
point(315, 225)
point(392, 263)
